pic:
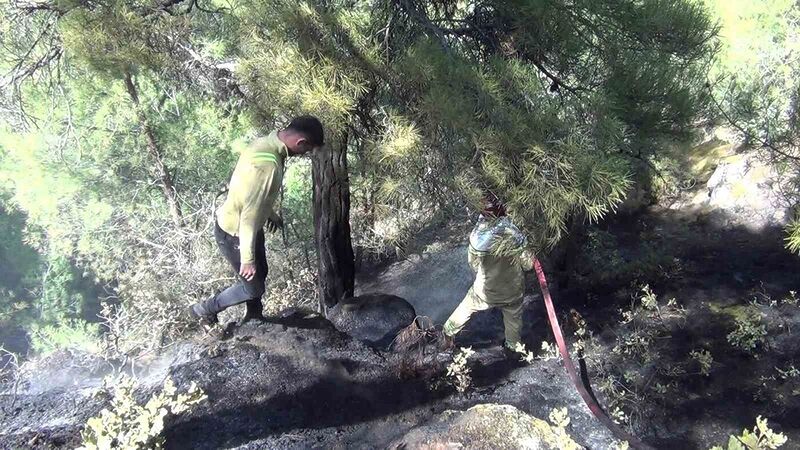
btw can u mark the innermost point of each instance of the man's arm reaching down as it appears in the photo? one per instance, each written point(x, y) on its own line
point(255, 206)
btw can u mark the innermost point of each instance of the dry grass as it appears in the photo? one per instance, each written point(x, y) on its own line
point(411, 344)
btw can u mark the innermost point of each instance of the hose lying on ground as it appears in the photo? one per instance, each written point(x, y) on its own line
point(590, 401)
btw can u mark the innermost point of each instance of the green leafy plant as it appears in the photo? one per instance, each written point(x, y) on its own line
point(750, 332)
point(583, 334)
point(791, 299)
point(618, 415)
point(548, 351)
point(559, 417)
point(300, 292)
point(73, 334)
point(790, 372)
point(458, 370)
point(525, 354)
point(761, 437)
point(130, 426)
point(793, 236)
point(704, 359)
point(648, 298)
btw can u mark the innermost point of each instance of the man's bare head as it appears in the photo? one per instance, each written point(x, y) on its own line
point(304, 134)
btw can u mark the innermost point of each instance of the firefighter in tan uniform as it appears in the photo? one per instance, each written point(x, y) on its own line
point(499, 257)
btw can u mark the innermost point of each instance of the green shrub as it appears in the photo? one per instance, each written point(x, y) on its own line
point(75, 334)
point(704, 359)
point(301, 292)
point(559, 417)
point(458, 371)
point(130, 426)
point(603, 262)
point(648, 298)
point(790, 299)
point(760, 438)
point(750, 333)
point(792, 240)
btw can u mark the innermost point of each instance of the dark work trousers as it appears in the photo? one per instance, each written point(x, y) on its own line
point(243, 291)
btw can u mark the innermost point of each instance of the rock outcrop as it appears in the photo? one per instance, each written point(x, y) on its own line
point(487, 426)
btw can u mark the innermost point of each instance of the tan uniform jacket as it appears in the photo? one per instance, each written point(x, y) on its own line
point(499, 278)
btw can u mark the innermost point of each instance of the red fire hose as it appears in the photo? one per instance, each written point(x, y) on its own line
point(596, 410)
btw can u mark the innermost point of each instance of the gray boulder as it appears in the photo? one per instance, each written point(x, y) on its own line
point(735, 187)
point(372, 318)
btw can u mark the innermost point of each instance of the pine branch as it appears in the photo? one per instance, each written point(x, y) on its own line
point(750, 136)
point(411, 9)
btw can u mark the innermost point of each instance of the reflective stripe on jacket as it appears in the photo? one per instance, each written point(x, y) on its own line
point(254, 187)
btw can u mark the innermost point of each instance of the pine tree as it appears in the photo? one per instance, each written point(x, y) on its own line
point(426, 104)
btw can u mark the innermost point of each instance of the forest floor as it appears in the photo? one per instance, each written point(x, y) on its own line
point(298, 383)
point(690, 328)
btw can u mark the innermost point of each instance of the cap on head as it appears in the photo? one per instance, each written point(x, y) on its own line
point(310, 127)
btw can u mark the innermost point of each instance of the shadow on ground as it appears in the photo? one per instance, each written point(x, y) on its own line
point(296, 382)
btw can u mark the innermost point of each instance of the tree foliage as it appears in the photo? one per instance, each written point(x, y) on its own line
point(125, 118)
point(755, 85)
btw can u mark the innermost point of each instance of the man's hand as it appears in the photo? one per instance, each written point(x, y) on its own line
point(247, 271)
point(274, 225)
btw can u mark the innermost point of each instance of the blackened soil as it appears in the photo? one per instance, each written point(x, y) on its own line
point(296, 382)
point(717, 275)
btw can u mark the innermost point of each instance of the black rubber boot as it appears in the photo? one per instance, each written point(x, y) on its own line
point(255, 312)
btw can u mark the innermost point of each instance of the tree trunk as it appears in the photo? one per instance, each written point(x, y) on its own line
point(153, 149)
point(332, 224)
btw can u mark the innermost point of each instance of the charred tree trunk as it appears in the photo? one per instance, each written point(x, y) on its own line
point(332, 224)
point(154, 150)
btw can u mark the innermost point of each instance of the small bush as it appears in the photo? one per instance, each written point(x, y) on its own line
point(623, 445)
point(525, 354)
point(583, 334)
point(559, 417)
point(791, 299)
point(549, 351)
point(130, 426)
point(791, 372)
point(459, 372)
point(70, 334)
point(300, 292)
point(760, 438)
point(601, 262)
point(704, 359)
point(619, 416)
point(750, 333)
point(648, 298)
point(146, 314)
